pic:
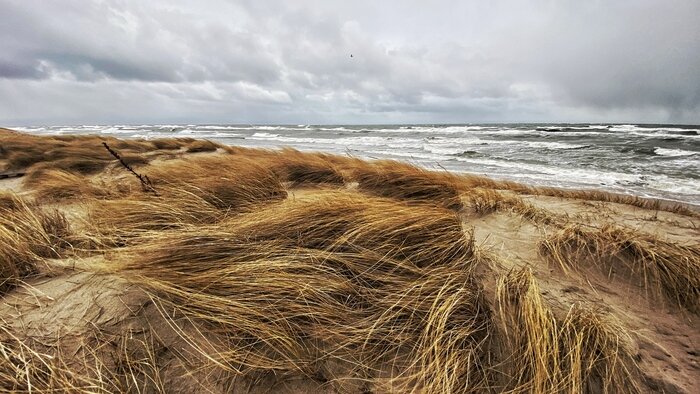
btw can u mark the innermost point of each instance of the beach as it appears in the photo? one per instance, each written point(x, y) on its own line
point(173, 263)
point(648, 160)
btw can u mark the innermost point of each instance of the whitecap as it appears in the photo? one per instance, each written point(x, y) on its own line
point(673, 152)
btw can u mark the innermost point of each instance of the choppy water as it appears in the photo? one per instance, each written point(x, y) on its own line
point(649, 160)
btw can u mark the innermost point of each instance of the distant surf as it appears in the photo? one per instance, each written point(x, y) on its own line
point(661, 161)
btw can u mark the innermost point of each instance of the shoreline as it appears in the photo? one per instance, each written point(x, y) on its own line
point(183, 264)
point(667, 203)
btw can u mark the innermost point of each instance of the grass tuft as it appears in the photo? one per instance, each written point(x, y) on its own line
point(27, 235)
point(661, 267)
point(585, 351)
point(402, 181)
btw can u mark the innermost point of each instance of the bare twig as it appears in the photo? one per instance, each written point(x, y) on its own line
point(145, 182)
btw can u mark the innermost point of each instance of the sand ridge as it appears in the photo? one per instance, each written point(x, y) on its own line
point(110, 305)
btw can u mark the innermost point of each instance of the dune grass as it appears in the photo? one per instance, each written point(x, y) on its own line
point(224, 181)
point(10, 201)
point(190, 192)
point(130, 365)
point(50, 185)
point(662, 267)
point(369, 282)
point(387, 178)
point(484, 201)
point(358, 311)
point(28, 234)
point(348, 221)
point(202, 146)
point(24, 369)
point(584, 351)
point(304, 169)
point(121, 221)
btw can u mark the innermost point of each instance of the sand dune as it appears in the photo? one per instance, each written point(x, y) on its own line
point(242, 270)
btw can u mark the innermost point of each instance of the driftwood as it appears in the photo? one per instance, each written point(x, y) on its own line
point(145, 182)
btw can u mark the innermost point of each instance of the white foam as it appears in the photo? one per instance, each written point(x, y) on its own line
point(665, 135)
point(673, 152)
point(221, 128)
point(266, 136)
point(675, 185)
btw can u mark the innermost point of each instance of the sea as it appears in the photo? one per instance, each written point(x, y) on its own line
point(659, 160)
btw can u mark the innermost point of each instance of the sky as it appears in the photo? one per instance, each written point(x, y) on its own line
point(348, 62)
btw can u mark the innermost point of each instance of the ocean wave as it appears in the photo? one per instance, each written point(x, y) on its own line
point(510, 151)
point(412, 155)
point(666, 136)
point(674, 152)
point(207, 127)
point(264, 136)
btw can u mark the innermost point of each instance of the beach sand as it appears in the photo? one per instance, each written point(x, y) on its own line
point(208, 268)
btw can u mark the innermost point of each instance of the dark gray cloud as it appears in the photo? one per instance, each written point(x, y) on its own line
point(276, 61)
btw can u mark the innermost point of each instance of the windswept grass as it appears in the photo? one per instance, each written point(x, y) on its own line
point(355, 310)
point(10, 201)
point(393, 179)
point(26, 370)
point(82, 154)
point(120, 221)
point(365, 281)
point(596, 353)
point(304, 169)
point(52, 185)
point(484, 201)
point(190, 192)
point(129, 365)
point(586, 351)
point(351, 285)
point(531, 336)
point(662, 267)
point(28, 234)
point(350, 222)
point(224, 181)
point(170, 143)
point(202, 146)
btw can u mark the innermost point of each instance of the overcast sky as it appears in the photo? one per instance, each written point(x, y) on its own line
point(256, 61)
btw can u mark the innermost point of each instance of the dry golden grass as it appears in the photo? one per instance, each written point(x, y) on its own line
point(226, 182)
point(77, 154)
point(190, 192)
point(586, 351)
point(119, 221)
point(596, 353)
point(662, 267)
point(484, 201)
point(357, 310)
point(202, 146)
point(52, 185)
point(347, 280)
point(10, 201)
point(387, 178)
point(304, 169)
point(346, 221)
point(373, 289)
point(25, 370)
point(170, 143)
point(530, 342)
point(127, 362)
point(28, 234)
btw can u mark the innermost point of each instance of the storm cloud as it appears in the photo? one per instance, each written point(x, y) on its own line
point(117, 61)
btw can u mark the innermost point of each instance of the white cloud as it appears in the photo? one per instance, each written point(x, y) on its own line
point(165, 61)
